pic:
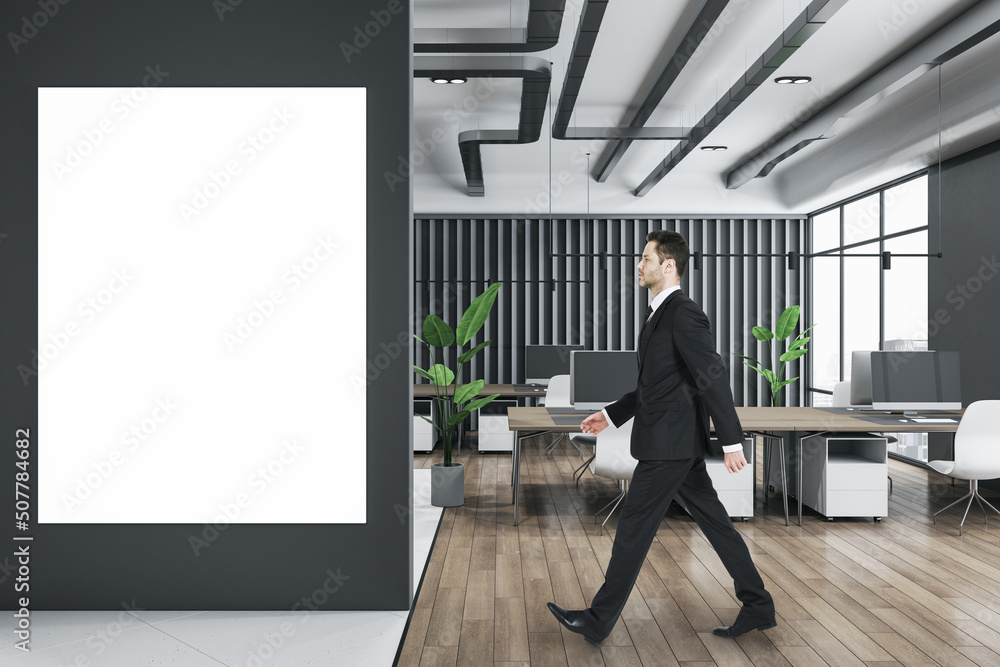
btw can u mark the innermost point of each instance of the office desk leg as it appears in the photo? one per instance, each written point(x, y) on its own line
point(798, 486)
point(767, 464)
point(768, 437)
point(784, 480)
point(516, 463)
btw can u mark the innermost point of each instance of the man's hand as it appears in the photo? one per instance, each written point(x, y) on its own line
point(594, 424)
point(735, 461)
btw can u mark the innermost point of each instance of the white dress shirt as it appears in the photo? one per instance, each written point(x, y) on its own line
point(657, 300)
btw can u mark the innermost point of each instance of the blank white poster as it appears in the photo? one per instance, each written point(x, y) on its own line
point(201, 305)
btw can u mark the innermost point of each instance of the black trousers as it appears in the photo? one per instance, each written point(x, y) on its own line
point(654, 485)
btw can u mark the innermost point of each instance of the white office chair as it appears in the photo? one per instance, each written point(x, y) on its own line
point(842, 399)
point(842, 395)
point(613, 459)
point(557, 396)
point(977, 454)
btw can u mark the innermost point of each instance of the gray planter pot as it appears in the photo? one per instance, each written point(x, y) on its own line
point(447, 485)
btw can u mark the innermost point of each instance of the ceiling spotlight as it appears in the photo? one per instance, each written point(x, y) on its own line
point(714, 148)
point(448, 79)
point(793, 79)
point(458, 79)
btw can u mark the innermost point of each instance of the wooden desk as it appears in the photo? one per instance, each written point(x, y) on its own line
point(800, 422)
point(427, 390)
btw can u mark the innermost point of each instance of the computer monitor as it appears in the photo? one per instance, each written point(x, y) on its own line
point(915, 380)
point(601, 377)
point(861, 377)
point(543, 362)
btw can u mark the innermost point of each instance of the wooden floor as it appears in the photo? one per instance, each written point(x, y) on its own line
point(848, 592)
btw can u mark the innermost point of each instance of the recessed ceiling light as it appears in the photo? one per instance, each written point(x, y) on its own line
point(448, 79)
point(458, 79)
point(714, 148)
point(793, 79)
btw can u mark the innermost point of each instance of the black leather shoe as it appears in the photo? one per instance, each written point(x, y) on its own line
point(743, 625)
point(574, 621)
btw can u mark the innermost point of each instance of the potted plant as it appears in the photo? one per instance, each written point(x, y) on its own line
point(786, 325)
point(454, 402)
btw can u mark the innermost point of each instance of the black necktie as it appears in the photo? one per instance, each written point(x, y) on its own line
point(649, 311)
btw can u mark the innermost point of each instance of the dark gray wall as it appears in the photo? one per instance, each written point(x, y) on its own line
point(964, 284)
point(551, 298)
point(963, 305)
point(225, 43)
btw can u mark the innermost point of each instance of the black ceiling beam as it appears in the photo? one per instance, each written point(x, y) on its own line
point(958, 36)
point(686, 48)
point(632, 133)
point(591, 17)
point(803, 26)
point(542, 32)
point(536, 75)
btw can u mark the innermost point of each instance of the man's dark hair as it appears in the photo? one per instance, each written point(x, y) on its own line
point(671, 245)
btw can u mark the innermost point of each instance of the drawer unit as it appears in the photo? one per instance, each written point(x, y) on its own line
point(735, 489)
point(494, 434)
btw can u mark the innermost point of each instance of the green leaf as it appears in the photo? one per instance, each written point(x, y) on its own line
point(458, 418)
point(763, 334)
point(778, 385)
point(467, 391)
point(437, 332)
point(798, 342)
point(768, 375)
point(420, 339)
point(468, 354)
point(421, 372)
point(441, 375)
point(476, 314)
point(429, 421)
point(749, 359)
point(792, 355)
point(804, 332)
point(480, 402)
point(787, 323)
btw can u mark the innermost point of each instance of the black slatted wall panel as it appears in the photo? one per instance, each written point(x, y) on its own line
point(551, 298)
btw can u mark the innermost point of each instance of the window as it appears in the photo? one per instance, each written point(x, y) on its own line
point(855, 303)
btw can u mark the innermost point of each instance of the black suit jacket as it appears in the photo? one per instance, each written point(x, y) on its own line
point(682, 381)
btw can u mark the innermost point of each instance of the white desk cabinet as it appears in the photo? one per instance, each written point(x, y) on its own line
point(424, 434)
point(494, 433)
point(846, 476)
point(735, 489)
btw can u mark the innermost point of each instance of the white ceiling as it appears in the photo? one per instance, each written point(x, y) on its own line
point(896, 136)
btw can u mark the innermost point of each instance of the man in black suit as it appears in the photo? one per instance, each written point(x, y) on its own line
point(681, 383)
